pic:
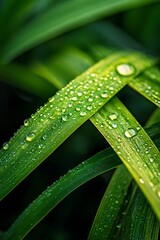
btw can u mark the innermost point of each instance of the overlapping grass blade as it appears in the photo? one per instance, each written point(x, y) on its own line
point(133, 146)
point(140, 222)
point(87, 170)
point(62, 18)
point(148, 84)
point(122, 217)
point(107, 220)
point(62, 115)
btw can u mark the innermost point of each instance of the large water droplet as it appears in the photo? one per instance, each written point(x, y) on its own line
point(125, 69)
point(30, 137)
point(130, 133)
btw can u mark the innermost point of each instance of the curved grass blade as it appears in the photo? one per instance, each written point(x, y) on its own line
point(111, 207)
point(133, 146)
point(148, 87)
point(113, 231)
point(87, 170)
point(62, 18)
point(62, 115)
point(140, 222)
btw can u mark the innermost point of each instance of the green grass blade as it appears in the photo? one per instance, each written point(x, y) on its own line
point(62, 115)
point(148, 84)
point(133, 146)
point(62, 18)
point(87, 170)
point(140, 222)
point(111, 206)
point(94, 166)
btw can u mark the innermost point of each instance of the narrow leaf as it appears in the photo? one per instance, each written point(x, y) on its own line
point(94, 166)
point(110, 208)
point(87, 170)
point(62, 115)
point(133, 146)
point(148, 84)
point(140, 222)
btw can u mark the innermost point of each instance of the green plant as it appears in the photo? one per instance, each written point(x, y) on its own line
point(43, 47)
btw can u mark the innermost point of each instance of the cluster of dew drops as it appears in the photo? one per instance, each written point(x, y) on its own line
point(122, 69)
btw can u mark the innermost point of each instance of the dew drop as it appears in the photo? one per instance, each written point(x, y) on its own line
point(64, 118)
point(104, 95)
point(26, 122)
point(79, 93)
point(114, 125)
point(130, 133)
point(74, 98)
point(158, 193)
point(113, 116)
point(90, 99)
point(51, 99)
point(151, 160)
point(141, 180)
point(89, 108)
point(30, 137)
point(83, 114)
point(5, 146)
point(125, 69)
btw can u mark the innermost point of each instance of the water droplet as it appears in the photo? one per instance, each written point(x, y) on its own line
point(141, 180)
point(125, 69)
point(51, 99)
point(74, 98)
point(158, 193)
point(113, 116)
point(104, 95)
point(90, 99)
point(89, 108)
point(114, 125)
point(26, 122)
point(5, 146)
point(64, 118)
point(130, 133)
point(79, 93)
point(83, 114)
point(30, 137)
point(78, 109)
point(151, 160)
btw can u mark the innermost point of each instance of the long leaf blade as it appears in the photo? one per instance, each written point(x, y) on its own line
point(140, 222)
point(57, 20)
point(94, 166)
point(62, 115)
point(111, 206)
point(133, 146)
point(87, 170)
